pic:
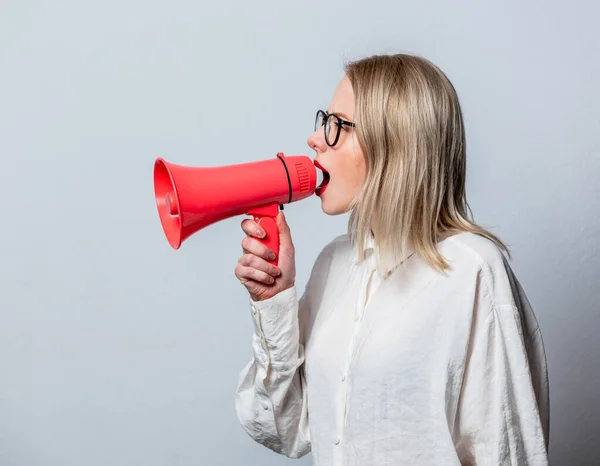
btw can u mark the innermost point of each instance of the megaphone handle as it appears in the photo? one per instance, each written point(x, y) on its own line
point(265, 217)
point(271, 239)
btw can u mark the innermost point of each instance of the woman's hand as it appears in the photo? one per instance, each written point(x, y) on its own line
point(262, 279)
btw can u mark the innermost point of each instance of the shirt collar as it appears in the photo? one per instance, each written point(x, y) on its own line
point(373, 259)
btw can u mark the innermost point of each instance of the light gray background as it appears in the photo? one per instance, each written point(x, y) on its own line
point(117, 350)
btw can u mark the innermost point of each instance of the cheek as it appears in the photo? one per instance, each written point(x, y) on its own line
point(346, 181)
point(353, 173)
point(361, 173)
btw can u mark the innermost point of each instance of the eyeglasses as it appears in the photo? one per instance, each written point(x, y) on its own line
point(332, 125)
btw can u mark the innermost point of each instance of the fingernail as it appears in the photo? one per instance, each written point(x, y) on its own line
point(260, 233)
point(271, 280)
point(272, 256)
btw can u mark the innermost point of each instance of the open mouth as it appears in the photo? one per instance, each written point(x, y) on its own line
point(321, 188)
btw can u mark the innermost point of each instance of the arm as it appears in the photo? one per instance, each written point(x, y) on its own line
point(271, 396)
point(499, 419)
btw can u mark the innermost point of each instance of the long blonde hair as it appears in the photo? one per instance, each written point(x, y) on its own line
point(410, 128)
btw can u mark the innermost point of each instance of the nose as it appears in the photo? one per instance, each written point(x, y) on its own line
point(316, 141)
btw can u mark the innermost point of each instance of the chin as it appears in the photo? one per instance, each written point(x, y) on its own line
point(331, 208)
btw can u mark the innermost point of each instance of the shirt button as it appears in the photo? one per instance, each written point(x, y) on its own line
point(337, 441)
point(357, 318)
point(253, 310)
point(265, 406)
point(343, 377)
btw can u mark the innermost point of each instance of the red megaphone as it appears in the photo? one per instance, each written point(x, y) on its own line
point(191, 198)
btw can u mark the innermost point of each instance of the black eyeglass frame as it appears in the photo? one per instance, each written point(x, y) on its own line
point(327, 120)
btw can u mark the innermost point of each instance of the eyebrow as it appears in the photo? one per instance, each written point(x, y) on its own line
point(343, 115)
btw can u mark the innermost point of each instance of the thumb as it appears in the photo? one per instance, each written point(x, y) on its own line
point(285, 239)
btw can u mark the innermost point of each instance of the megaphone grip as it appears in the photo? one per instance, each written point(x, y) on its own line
point(271, 239)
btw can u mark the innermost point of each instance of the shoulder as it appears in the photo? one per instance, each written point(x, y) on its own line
point(335, 253)
point(473, 249)
point(469, 251)
point(338, 247)
point(325, 269)
point(481, 266)
point(478, 259)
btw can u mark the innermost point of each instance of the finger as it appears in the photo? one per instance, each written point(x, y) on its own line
point(252, 228)
point(285, 237)
point(242, 275)
point(254, 246)
point(250, 260)
point(250, 273)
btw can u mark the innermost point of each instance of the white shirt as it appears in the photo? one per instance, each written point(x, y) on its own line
point(437, 368)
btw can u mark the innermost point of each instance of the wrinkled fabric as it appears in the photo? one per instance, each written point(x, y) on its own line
point(404, 367)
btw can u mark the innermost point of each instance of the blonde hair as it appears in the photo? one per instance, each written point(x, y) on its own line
point(410, 128)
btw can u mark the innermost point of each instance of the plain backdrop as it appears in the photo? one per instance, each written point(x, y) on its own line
point(116, 349)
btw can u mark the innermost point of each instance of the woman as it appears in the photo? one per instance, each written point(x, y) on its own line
point(418, 347)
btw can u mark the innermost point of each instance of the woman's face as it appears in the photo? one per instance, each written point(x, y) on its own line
point(345, 161)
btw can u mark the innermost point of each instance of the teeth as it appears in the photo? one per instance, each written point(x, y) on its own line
point(320, 177)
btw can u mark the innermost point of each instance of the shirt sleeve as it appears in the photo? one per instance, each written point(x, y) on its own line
point(500, 420)
point(271, 400)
